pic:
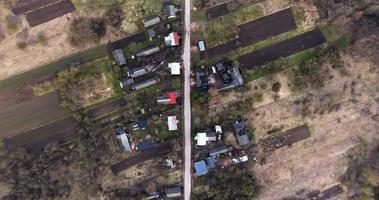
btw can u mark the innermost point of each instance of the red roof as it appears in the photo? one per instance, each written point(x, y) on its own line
point(172, 97)
point(176, 38)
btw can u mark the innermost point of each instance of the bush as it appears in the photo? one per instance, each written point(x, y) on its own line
point(41, 39)
point(115, 17)
point(85, 30)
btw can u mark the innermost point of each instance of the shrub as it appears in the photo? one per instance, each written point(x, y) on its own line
point(115, 17)
point(276, 87)
point(84, 30)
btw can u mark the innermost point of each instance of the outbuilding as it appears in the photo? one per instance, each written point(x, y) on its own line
point(119, 57)
point(151, 21)
point(172, 123)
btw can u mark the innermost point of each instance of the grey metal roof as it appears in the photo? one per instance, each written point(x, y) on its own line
point(148, 51)
point(119, 56)
point(169, 10)
point(145, 84)
point(173, 192)
point(150, 21)
point(219, 150)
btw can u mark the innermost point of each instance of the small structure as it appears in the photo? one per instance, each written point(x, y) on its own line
point(137, 72)
point(240, 130)
point(123, 137)
point(201, 45)
point(226, 76)
point(211, 162)
point(145, 84)
point(140, 125)
point(119, 57)
point(169, 99)
point(173, 192)
point(201, 168)
point(169, 11)
point(202, 81)
point(240, 159)
point(172, 123)
point(211, 136)
point(151, 21)
point(173, 39)
point(152, 34)
point(175, 68)
point(219, 150)
point(145, 145)
point(148, 51)
point(125, 82)
point(201, 139)
point(169, 163)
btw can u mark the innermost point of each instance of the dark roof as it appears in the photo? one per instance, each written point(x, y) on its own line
point(119, 56)
point(145, 145)
point(211, 161)
point(240, 130)
point(227, 76)
point(151, 33)
point(142, 124)
point(219, 150)
point(169, 10)
point(173, 192)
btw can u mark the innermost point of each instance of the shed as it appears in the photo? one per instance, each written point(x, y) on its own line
point(151, 33)
point(173, 192)
point(137, 72)
point(173, 39)
point(219, 150)
point(151, 21)
point(172, 123)
point(145, 145)
point(201, 45)
point(125, 82)
point(211, 162)
point(211, 136)
point(201, 168)
point(169, 11)
point(119, 57)
point(148, 51)
point(145, 84)
point(175, 68)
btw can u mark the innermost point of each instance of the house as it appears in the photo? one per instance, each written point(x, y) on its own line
point(145, 145)
point(169, 11)
point(226, 76)
point(172, 123)
point(220, 150)
point(175, 68)
point(173, 192)
point(151, 21)
point(123, 138)
point(211, 162)
point(173, 39)
point(169, 99)
point(137, 71)
point(152, 34)
point(241, 133)
point(202, 81)
point(201, 168)
point(125, 82)
point(201, 45)
point(119, 57)
point(148, 51)
point(145, 84)
point(201, 139)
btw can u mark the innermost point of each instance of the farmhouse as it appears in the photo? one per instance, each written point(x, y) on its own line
point(170, 98)
point(145, 84)
point(202, 81)
point(201, 168)
point(148, 51)
point(226, 76)
point(175, 68)
point(119, 57)
point(169, 11)
point(173, 39)
point(151, 21)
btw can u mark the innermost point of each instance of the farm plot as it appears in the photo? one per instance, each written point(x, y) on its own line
point(142, 157)
point(27, 113)
point(103, 109)
point(217, 11)
point(57, 132)
point(283, 49)
point(286, 138)
point(257, 31)
point(45, 14)
point(28, 5)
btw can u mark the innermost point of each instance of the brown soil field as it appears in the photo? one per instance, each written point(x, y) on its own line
point(21, 112)
point(57, 132)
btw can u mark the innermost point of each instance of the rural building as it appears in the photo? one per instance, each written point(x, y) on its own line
point(148, 51)
point(173, 192)
point(145, 84)
point(145, 145)
point(123, 138)
point(202, 81)
point(172, 123)
point(220, 150)
point(240, 159)
point(241, 133)
point(119, 57)
point(169, 99)
point(125, 82)
point(211, 162)
point(201, 139)
point(151, 21)
point(173, 39)
point(137, 72)
point(169, 11)
point(152, 34)
point(175, 68)
point(211, 136)
point(201, 168)
point(226, 76)
point(140, 125)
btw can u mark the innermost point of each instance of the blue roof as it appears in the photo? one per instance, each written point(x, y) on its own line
point(145, 145)
point(201, 45)
point(201, 168)
point(211, 161)
point(142, 124)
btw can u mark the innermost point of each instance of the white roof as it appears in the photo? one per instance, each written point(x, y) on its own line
point(218, 129)
point(175, 68)
point(125, 141)
point(172, 123)
point(201, 139)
